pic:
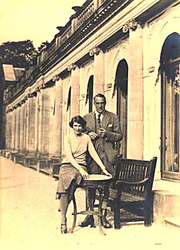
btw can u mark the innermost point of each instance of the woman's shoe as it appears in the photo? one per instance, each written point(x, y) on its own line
point(63, 228)
point(89, 221)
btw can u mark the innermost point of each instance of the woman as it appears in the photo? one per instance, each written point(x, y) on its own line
point(73, 168)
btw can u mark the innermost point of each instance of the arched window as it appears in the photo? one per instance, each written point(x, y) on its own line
point(68, 99)
point(170, 107)
point(89, 93)
point(121, 85)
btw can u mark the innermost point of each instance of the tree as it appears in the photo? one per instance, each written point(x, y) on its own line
point(19, 54)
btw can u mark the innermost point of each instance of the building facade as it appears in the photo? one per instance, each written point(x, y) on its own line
point(128, 50)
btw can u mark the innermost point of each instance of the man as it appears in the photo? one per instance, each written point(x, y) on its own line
point(104, 130)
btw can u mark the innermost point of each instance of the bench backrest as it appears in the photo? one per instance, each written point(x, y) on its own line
point(135, 171)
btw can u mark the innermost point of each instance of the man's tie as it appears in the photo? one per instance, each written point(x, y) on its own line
point(99, 120)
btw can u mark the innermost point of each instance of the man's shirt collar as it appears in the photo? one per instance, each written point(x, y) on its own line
point(102, 114)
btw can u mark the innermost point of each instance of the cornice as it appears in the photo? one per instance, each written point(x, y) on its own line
point(106, 12)
point(103, 15)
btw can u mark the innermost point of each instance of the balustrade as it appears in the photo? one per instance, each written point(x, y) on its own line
point(86, 13)
point(66, 34)
point(52, 48)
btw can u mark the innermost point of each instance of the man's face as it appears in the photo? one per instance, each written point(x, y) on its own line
point(99, 104)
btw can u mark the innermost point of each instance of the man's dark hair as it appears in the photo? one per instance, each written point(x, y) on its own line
point(100, 95)
point(79, 120)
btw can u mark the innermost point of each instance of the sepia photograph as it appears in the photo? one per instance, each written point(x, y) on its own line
point(89, 124)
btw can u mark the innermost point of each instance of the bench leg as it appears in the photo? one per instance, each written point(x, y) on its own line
point(116, 208)
point(148, 212)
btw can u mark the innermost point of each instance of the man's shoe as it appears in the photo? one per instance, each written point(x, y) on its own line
point(105, 222)
point(89, 221)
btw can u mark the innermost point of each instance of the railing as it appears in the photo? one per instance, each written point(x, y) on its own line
point(86, 13)
point(52, 48)
point(66, 34)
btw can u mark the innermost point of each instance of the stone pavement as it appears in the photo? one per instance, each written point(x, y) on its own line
point(30, 221)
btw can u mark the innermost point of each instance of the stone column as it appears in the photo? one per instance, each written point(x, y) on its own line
point(8, 130)
point(58, 118)
point(31, 128)
point(39, 142)
point(21, 143)
point(75, 91)
point(44, 121)
point(24, 125)
point(99, 71)
point(27, 122)
point(135, 95)
point(37, 120)
point(25, 140)
point(17, 131)
point(13, 129)
point(52, 104)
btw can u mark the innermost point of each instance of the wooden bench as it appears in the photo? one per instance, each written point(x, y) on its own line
point(132, 189)
point(30, 160)
point(19, 158)
point(55, 164)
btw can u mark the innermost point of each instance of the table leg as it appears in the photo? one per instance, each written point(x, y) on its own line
point(100, 212)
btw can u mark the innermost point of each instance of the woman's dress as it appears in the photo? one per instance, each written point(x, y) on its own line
point(69, 176)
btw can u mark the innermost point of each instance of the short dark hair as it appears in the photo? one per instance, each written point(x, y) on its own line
point(79, 120)
point(100, 95)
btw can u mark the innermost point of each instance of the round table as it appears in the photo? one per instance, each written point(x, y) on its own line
point(98, 182)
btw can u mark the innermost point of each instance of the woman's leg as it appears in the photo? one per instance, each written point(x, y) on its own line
point(64, 202)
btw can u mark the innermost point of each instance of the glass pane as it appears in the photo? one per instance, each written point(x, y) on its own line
point(172, 124)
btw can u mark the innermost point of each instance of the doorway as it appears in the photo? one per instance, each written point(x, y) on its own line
point(121, 82)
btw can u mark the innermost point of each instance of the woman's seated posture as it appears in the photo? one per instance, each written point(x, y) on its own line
point(73, 168)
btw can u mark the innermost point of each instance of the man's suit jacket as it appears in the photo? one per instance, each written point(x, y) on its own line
point(105, 146)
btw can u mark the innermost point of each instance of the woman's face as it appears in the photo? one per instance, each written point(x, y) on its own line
point(77, 127)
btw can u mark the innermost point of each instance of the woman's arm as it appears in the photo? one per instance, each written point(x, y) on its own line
point(71, 159)
point(96, 158)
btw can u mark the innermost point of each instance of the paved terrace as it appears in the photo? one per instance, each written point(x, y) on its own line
point(30, 220)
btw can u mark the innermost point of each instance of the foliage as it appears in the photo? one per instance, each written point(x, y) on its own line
point(19, 54)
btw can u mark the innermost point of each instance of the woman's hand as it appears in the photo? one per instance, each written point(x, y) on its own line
point(83, 173)
point(107, 173)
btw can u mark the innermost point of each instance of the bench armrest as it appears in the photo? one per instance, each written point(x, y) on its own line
point(131, 183)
